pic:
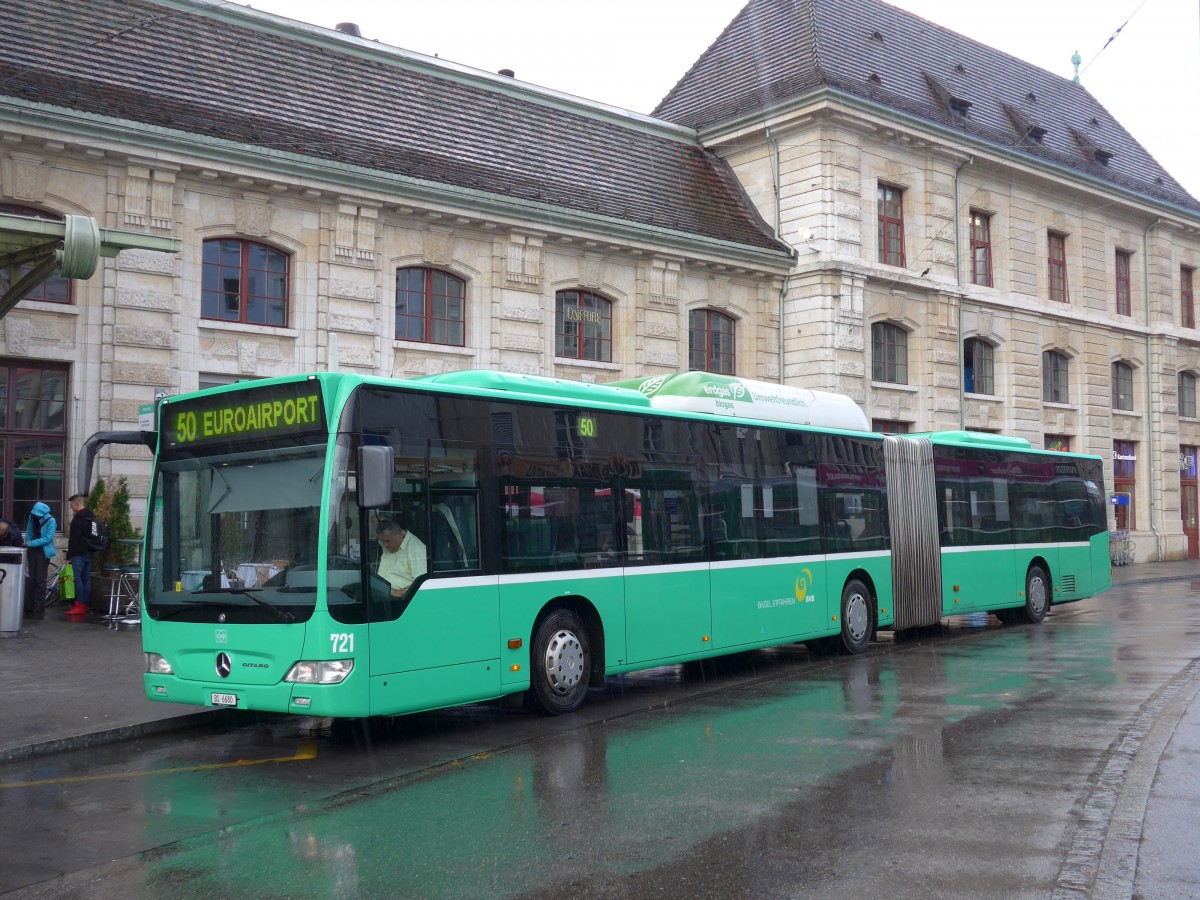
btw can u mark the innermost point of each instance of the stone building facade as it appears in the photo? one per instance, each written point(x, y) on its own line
point(1035, 233)
point(763, 211)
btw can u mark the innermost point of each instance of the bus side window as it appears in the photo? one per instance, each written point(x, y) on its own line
point(452, 534)
point(530, 528)
point(841, 534)
point(719, 534)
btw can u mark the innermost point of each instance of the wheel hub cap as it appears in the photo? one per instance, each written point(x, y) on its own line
point(1037, 594)
point(564, 661)
point(857, 617)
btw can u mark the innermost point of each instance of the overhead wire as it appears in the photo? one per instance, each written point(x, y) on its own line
point(1113, 36)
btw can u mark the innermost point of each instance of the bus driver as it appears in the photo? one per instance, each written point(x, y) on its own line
point(403, 559)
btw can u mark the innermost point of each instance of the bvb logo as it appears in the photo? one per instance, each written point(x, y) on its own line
point(803, 583)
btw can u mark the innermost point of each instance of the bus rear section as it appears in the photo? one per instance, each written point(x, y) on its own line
point(985, 523)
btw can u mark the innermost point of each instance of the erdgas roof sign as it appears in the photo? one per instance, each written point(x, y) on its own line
point(725, 395)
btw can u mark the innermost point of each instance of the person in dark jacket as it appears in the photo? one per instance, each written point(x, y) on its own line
point(10, 534)
point(39, 538)
point(79, 553)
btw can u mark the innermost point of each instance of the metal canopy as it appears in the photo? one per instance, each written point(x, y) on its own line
point(70, 248)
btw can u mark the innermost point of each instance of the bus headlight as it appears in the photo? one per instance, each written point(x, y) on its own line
point(157, 665)
point(325, 671)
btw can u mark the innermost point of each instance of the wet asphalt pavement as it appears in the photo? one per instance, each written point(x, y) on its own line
point(980, 761)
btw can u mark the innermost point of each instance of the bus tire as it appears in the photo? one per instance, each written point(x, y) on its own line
point(1037, 594)
point(560, 663)
point(856, 617)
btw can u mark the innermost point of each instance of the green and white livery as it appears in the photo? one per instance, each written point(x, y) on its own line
point(559, 533)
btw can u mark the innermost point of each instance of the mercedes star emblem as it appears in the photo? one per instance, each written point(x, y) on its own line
point(224, 666)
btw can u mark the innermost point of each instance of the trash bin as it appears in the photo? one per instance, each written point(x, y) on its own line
point(12, 590)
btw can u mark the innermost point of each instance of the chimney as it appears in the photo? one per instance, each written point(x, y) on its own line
point(349, 28)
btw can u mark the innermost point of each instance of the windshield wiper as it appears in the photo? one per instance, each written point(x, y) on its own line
point(282, 614)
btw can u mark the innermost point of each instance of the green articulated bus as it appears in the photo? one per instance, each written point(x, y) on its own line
point(556, 532)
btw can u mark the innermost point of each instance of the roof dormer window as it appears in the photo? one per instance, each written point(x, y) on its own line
point(959, 106)
point(1028, 130)
point(1092, 151)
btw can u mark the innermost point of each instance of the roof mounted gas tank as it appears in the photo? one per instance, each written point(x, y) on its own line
point(724, 395)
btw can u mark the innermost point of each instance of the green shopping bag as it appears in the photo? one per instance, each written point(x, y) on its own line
point(66, 582)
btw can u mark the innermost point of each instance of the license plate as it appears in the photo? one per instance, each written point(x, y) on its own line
point(224, 699)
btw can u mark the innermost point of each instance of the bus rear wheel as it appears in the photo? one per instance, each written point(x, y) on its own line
point(856, 617)
point(561, 660)
point(1037, 595)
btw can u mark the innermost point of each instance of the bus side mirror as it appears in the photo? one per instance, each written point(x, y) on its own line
point(374, 476)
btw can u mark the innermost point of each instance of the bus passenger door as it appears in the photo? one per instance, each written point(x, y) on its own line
point(768, 570)
point(667, 599)
point(438, 643)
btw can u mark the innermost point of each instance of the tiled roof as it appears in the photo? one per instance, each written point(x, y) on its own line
point(206, 71)
point(775, 51)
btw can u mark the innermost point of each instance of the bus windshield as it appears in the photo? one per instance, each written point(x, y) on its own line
point(226, 529)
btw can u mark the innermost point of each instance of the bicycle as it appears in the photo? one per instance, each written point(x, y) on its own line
point(52, 595)
point(1121, 550)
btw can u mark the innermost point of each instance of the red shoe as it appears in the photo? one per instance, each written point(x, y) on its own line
point(77, 610)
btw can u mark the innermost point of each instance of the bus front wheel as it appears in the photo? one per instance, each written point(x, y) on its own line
point(561, 660)
point(1037, 595)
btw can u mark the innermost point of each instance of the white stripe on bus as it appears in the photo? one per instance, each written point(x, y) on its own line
point(1078, 545)
point(468, 581)
point(798, 560)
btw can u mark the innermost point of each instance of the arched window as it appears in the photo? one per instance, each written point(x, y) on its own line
point(244, 281)
point(1122, 386)
point(52, 290)
point(889, 353)
point(710, 342)
point(430, 306)
point(1187, 394)
point(978, 374)
point(582, 326)
point(1054, 377)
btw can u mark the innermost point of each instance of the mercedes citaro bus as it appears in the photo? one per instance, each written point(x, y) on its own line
point(566, 531)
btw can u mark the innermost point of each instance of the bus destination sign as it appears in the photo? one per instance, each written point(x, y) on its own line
point(252, 413)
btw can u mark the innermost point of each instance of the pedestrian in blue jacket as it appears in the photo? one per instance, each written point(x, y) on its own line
point(39, 538)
